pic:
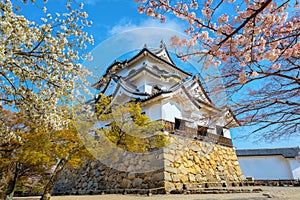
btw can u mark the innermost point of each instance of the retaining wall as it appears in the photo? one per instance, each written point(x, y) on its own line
point(184, 162)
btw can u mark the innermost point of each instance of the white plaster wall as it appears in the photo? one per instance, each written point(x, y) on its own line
point(295, 167)
point(148, 88)
point(140, 84)
point(144, 83)
point(226, 133)
point(266, 167)
point(153, 111)
point(170, 111)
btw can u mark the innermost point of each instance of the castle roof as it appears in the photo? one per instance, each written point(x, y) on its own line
point(160, 54)
point(290, 152)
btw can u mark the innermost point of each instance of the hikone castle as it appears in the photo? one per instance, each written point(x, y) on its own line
point(200, 151)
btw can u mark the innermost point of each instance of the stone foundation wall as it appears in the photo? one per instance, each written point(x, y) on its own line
point(184, 162)
point(195, 163)
point(130, 171)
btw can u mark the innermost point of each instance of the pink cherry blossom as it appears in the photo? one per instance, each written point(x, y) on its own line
point(276, 66)
point(242, 78)
point(223, 18)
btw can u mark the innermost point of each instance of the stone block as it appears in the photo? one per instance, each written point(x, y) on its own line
point(171, 170)
point(196, 159)
point(93, 164)
point(175, 178)
point(197, 169)
point(85, 184)
point(137, 183)
point(169, 186)
point(192, 170)
point(184, 159)
point(236, 163)
point(182, 170)
point(220, 168)
point(131, 176)
point(212, 171)
point(192, 178)
point(158, 177)
point(195, 148)
point(167, 163)
point(200, 178)
point(186, 163)
point(167, 177)
point(169, 157)
point(176, 164)
point(125, 183)
point(95, 185)
point(147, 179)
point(190, 163)
point(183, 178)
point(178, 158)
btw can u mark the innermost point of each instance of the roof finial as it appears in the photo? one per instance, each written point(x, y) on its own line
point(145, 46)
point(162, 44)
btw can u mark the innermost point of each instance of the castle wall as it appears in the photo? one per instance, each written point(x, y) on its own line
point(184, 161)
point(196, 163)
point(259, 167)
point(131, 171)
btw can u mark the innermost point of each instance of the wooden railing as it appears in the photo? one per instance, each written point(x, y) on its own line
point(192, 133)
point(217, 139)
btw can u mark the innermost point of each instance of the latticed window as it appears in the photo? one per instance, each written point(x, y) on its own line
point(202, 131)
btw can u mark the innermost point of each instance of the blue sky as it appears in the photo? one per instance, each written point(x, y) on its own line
point(112, 17)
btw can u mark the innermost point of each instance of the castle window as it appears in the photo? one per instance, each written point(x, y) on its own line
point(177, 124)
point(180, 124)
point(220, 130)
point(202, 131)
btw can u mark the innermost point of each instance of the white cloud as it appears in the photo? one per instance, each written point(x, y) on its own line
point(127, 36)
point(123, 25)
point(127, 25)
point(130, 37)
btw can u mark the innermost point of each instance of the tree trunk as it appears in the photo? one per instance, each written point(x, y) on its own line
point(3, 184)
point(50, 185)
point(12, 183)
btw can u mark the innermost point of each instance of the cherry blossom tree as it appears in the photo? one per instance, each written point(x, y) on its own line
point(254, 44)
point(40, 62)
point(39, 69)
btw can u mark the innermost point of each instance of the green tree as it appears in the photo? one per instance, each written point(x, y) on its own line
point(23, 156)
point(37, 151)
point(68, 150)
point(126, 126)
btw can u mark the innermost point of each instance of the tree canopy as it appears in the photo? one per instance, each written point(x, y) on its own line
point(127, 127)
point(40, 63)
point(254, 44)
point(39, 71)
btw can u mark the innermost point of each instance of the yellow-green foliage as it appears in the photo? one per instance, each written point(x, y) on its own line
point(127, 127)
point(37, 150)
